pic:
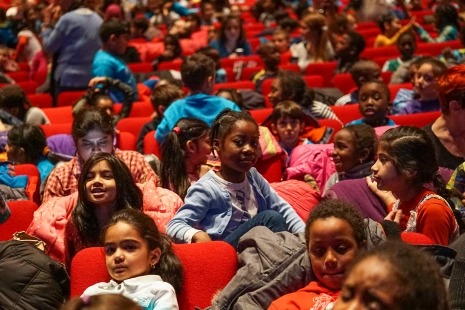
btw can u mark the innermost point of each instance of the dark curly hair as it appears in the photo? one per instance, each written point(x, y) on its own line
point(365, 138)
point(341, 210)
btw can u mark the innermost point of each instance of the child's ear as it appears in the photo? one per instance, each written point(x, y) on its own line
point(274, 130)
point(155, 255)
point(216, 145)
point(191, 147)
point(363, 155)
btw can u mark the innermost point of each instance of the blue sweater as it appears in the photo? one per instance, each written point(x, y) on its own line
point(200, 106)
point(208, 207)
point(75, 39)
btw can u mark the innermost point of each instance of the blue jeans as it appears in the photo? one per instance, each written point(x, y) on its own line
point(269, 218)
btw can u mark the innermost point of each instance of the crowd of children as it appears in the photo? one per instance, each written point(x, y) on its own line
point(373, 180)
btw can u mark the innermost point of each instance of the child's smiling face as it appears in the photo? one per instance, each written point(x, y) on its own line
point(345, 153)
point(238, 150)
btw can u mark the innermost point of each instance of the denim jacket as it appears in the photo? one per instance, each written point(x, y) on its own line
point(208, 207)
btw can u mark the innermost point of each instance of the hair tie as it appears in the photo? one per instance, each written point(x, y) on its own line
point(45, 151)
point(177, 130)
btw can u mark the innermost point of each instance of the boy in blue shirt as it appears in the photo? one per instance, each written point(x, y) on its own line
point(198, 74)
point(107, 62)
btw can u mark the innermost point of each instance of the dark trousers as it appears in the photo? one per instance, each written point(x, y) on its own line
point(269, 218)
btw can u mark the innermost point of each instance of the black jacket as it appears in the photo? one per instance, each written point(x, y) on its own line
point(29, 279)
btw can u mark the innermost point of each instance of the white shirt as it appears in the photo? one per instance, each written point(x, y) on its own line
point(149, 292)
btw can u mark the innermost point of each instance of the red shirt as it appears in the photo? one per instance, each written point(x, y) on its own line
point(314, 296)
point(434, 217)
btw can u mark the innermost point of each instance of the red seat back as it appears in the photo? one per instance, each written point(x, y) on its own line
point(151, 145)
point(22, 213)
point(325, 69)
point(59, 115)
point(68, 98)
point(33, 181)
point(201, 281)
point(132, 124)
point(347, 112)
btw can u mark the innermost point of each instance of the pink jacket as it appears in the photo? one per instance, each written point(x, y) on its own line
point(50, 219)
point(313, 159)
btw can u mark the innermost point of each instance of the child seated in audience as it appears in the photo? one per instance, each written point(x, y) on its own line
point(290, 85)
point(198, 74)
point(184, 155)
point(362, 71)
point(334, 235)
point(6, 64)
point(224, 205)
point(271, 58)
point(288, 125)
point(92, 131)
point(347, 50)
point(447, 23)
point(399, 66)
point(163, 94)
point(374, 279)
point(13, 100)
point(98, 95)
point(374, 105)
point(173, 51)
point(353, 154)
point(214, 54)
point(390, 29)
point(231, 94)
point(26, 144)
point(429, 69)
point(141, 262)
point(405, 95)
point(232, 41)
point(405, 165)
point(281, 40)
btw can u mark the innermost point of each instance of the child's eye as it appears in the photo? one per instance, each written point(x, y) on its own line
point(363, 97)
point(109, 250)
point(108, 175)
point(130, 247)
point(318, 252)
point(377, 96)
point(238, 142)
point(342, 249)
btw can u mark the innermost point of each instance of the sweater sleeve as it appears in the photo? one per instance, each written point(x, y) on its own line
point(382, 40)
point(196, 205)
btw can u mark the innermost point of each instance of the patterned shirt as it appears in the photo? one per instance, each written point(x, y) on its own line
point(63, 180)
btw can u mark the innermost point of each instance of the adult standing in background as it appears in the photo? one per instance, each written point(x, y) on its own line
point(73, 41)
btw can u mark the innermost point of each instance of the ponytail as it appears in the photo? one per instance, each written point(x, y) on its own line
point(173, 174)
point(169, 267)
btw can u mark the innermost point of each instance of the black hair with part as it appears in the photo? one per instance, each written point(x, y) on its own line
point(169, 267)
